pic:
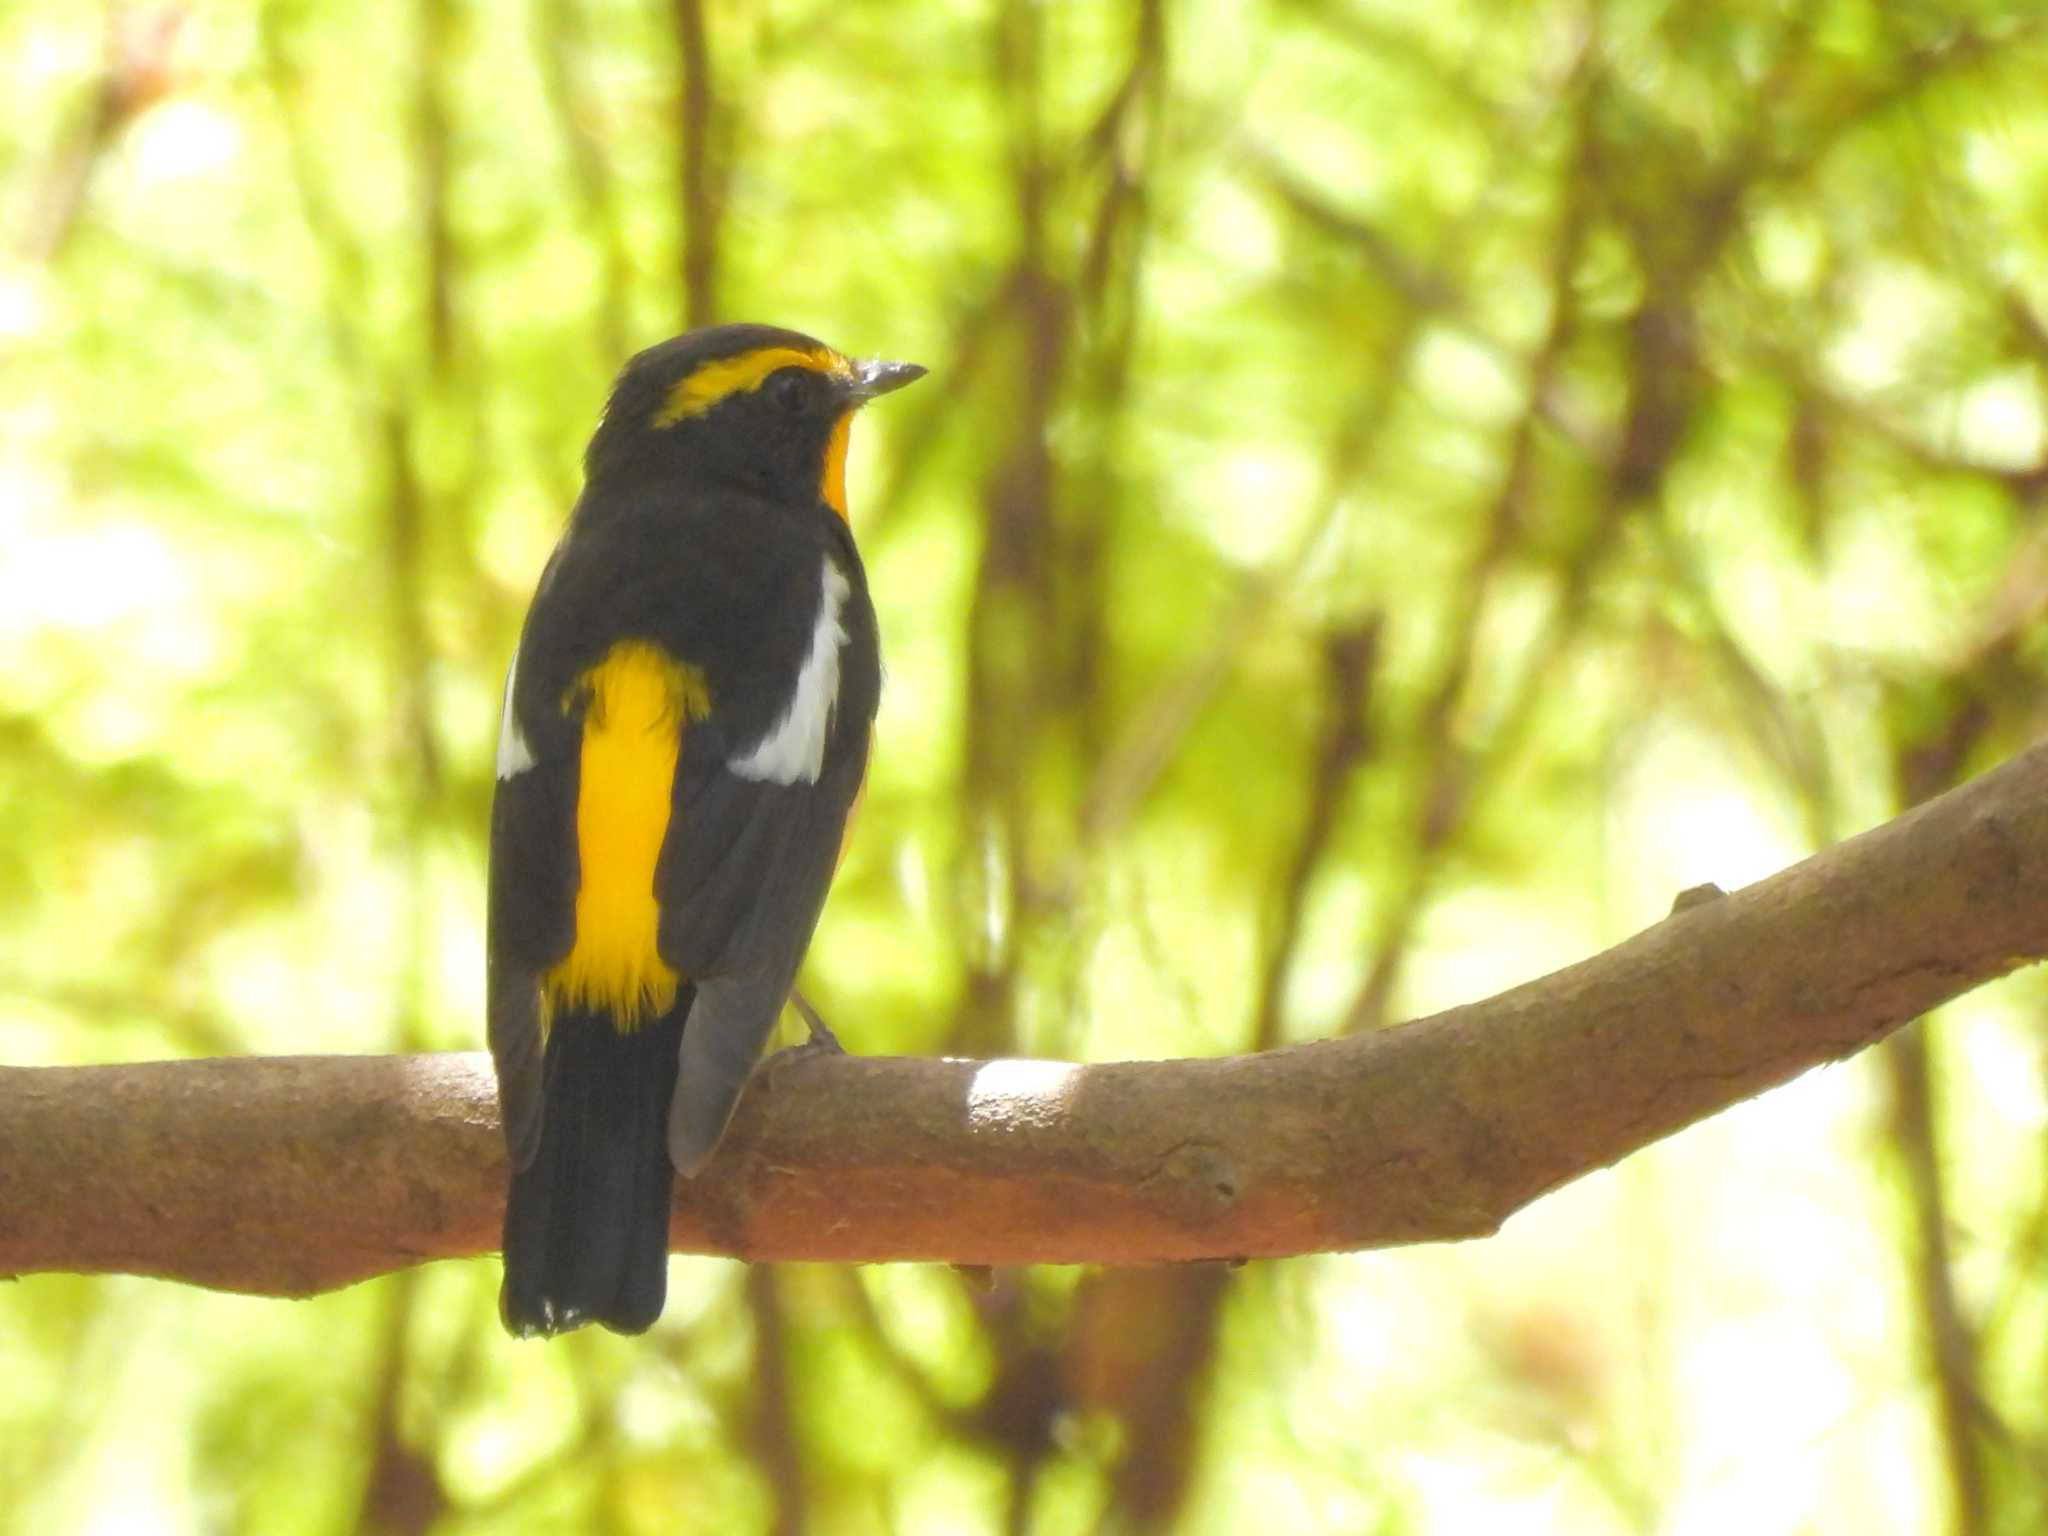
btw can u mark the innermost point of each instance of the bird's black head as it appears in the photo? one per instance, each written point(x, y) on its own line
point(750, 407)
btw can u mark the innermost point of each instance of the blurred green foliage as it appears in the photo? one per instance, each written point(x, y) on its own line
point(1402, 492)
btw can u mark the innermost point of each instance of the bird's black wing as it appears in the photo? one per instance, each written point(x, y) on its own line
point(531, 909)
point(742, 880)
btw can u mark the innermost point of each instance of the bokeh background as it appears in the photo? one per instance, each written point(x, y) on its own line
point(1402, 491)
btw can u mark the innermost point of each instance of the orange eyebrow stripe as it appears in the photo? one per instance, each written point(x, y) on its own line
point(720, 379)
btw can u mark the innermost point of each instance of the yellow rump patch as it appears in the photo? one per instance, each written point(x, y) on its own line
point(639, 701)
point(708, 383)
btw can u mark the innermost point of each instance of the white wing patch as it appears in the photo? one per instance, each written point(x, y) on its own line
point(795, 748)
point(514, 755)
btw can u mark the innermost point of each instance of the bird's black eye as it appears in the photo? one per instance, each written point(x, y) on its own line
point(791, 390)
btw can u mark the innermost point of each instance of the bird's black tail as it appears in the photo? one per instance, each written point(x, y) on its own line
point(586, 1223)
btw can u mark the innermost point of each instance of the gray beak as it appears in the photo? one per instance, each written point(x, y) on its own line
point(878, 378)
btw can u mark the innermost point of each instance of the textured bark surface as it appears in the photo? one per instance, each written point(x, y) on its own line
point(294, 1175)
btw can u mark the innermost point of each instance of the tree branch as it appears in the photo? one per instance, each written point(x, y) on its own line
point(292, 1175)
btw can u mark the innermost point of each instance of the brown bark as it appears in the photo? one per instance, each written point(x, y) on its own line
point(292, 1175)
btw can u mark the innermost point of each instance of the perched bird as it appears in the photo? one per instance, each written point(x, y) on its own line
point(685, 731)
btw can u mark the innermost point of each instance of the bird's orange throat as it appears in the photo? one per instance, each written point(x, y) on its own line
point(833, 489)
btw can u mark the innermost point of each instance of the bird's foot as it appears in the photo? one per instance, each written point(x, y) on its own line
point(822, 1041)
